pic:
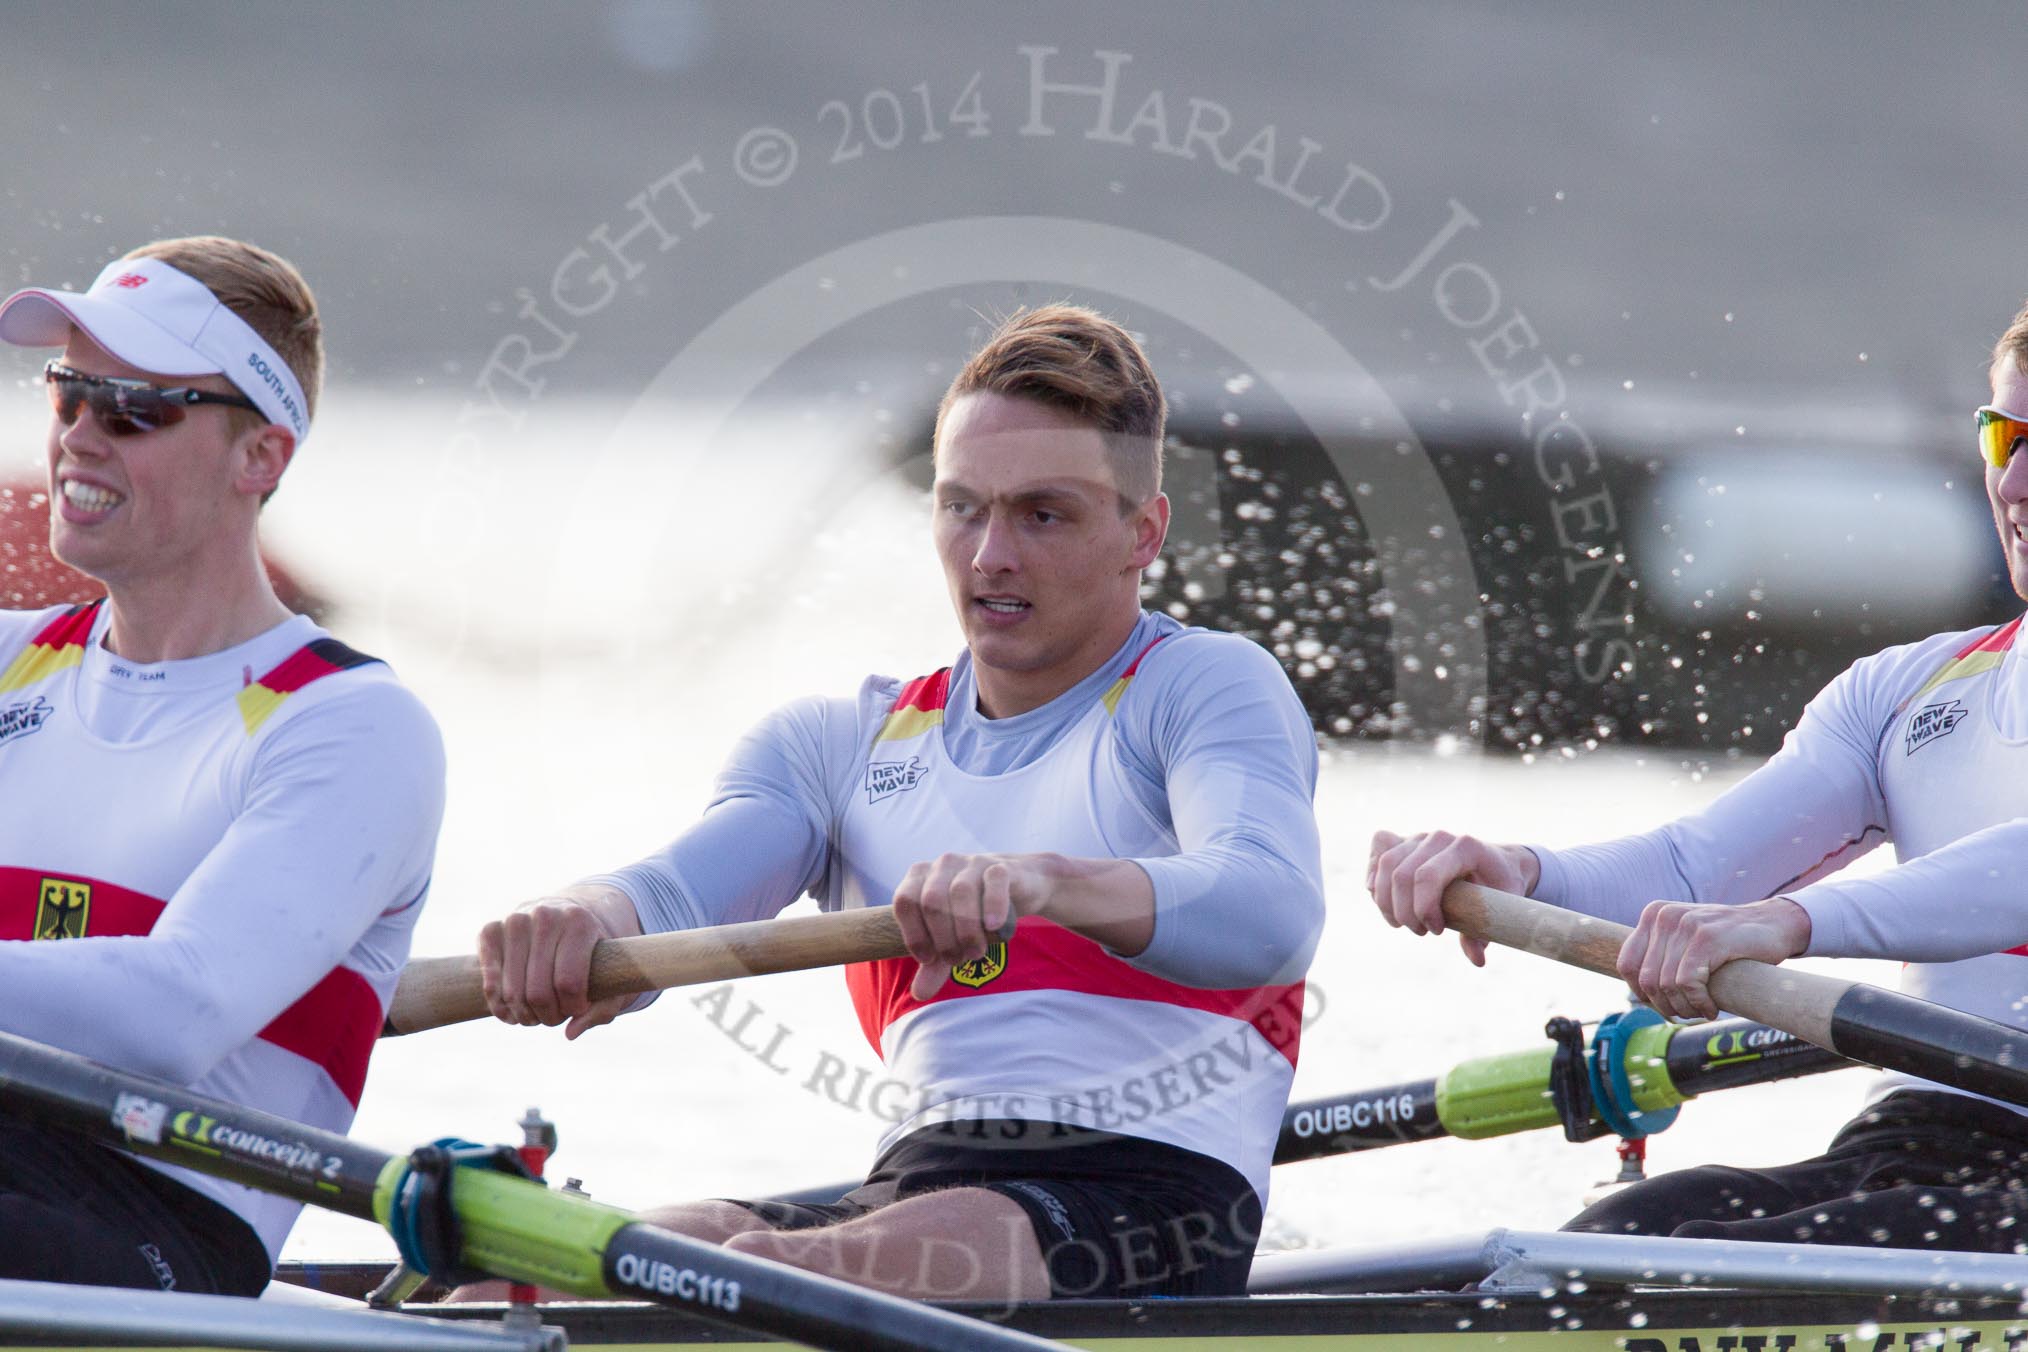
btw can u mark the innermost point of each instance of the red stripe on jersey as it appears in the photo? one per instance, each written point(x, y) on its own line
point(334, 1026)
point(1141, 656)
point(1998, 641)
point(925, 692)
point(933, 691)
point(1045, 956)
point(74, 626)
point(101, 907)
point(313, 661)
point(295, 671)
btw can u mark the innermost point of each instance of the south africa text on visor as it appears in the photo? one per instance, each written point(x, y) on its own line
point(166, 322)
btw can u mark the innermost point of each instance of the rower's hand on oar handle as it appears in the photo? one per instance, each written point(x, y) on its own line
point(1670, 956)
point(535, 962)
point(952, 909)
point(1407, 876)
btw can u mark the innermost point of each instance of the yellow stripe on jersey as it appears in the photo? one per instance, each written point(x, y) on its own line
point(57, 646)
point(905, 723)
point(318, 658)
point(1982, 656)
point(39, 663)
point(257, 704)
point(1113, 696)
point(918, 708)
point(1961, 667)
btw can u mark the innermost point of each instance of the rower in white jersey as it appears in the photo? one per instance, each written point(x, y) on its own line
point(1924, 745)
point(1093, 1101)
point(218, 820)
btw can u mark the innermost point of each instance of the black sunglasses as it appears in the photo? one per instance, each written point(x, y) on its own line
point(126, 407)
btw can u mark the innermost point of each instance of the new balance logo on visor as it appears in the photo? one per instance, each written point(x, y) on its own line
point(130, 280)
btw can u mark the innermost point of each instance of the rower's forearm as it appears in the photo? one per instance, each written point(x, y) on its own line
point(1109, 901)
point(1229, 917)
point(745, 859)
point(1803, 815)
point(616, 912)
point(1897, 914)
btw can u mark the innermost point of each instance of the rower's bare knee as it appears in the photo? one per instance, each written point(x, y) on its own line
point(964, 1244)
point(712, 1222)
point(850, 1252)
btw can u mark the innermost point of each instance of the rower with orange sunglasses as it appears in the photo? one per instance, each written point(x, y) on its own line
point(2002, 427)
point(217, 822)
point(1926, 745)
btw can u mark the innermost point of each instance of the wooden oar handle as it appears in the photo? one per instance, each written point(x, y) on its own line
point(439, 991)
point(1800, 1002)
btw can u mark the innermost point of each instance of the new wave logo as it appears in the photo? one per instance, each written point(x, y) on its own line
point(884, 779)
point(1932, 721)
point(18, 720)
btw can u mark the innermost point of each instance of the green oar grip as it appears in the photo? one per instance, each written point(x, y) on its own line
point(1647, 1063)
point(1495, 1095)
point(518, 1229)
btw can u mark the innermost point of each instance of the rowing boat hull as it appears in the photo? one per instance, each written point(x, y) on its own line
point(1621, 1321)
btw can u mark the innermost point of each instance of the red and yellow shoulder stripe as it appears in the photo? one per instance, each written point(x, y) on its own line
point(1974, 658)
point(57, 645)
point(1118, 688)
point(311, 662)
point(918, 708)
point(920, 705)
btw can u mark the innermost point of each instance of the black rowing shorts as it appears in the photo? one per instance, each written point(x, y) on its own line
point(72, 1210)
point(1115, 1215)
point(1917, 1170)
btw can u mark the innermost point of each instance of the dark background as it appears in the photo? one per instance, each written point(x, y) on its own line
point(1707, 215)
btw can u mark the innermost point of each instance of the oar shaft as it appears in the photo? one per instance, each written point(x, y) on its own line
point(517, 1229)
point(1865, 1023)
point(642, 1261)
point(1368, 1119)
point(513, 1227)
point(171, 1124)
point(1706, 1057)
point(439, 991)
point(1501, 1095)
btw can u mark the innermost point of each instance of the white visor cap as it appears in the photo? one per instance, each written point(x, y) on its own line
point(165, 322)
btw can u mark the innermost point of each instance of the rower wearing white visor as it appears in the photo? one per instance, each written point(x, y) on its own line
point(217, 822)
point(1924, 745)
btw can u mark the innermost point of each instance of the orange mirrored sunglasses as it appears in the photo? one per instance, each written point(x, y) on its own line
point(1999, 434)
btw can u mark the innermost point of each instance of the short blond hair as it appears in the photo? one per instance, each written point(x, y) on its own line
point(2013, 344)
point(266, 291)
point(1075, 359)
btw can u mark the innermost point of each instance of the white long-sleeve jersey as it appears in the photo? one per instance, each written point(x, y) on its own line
point(1187, 752)
point(1924, 745)
point(209, 869)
